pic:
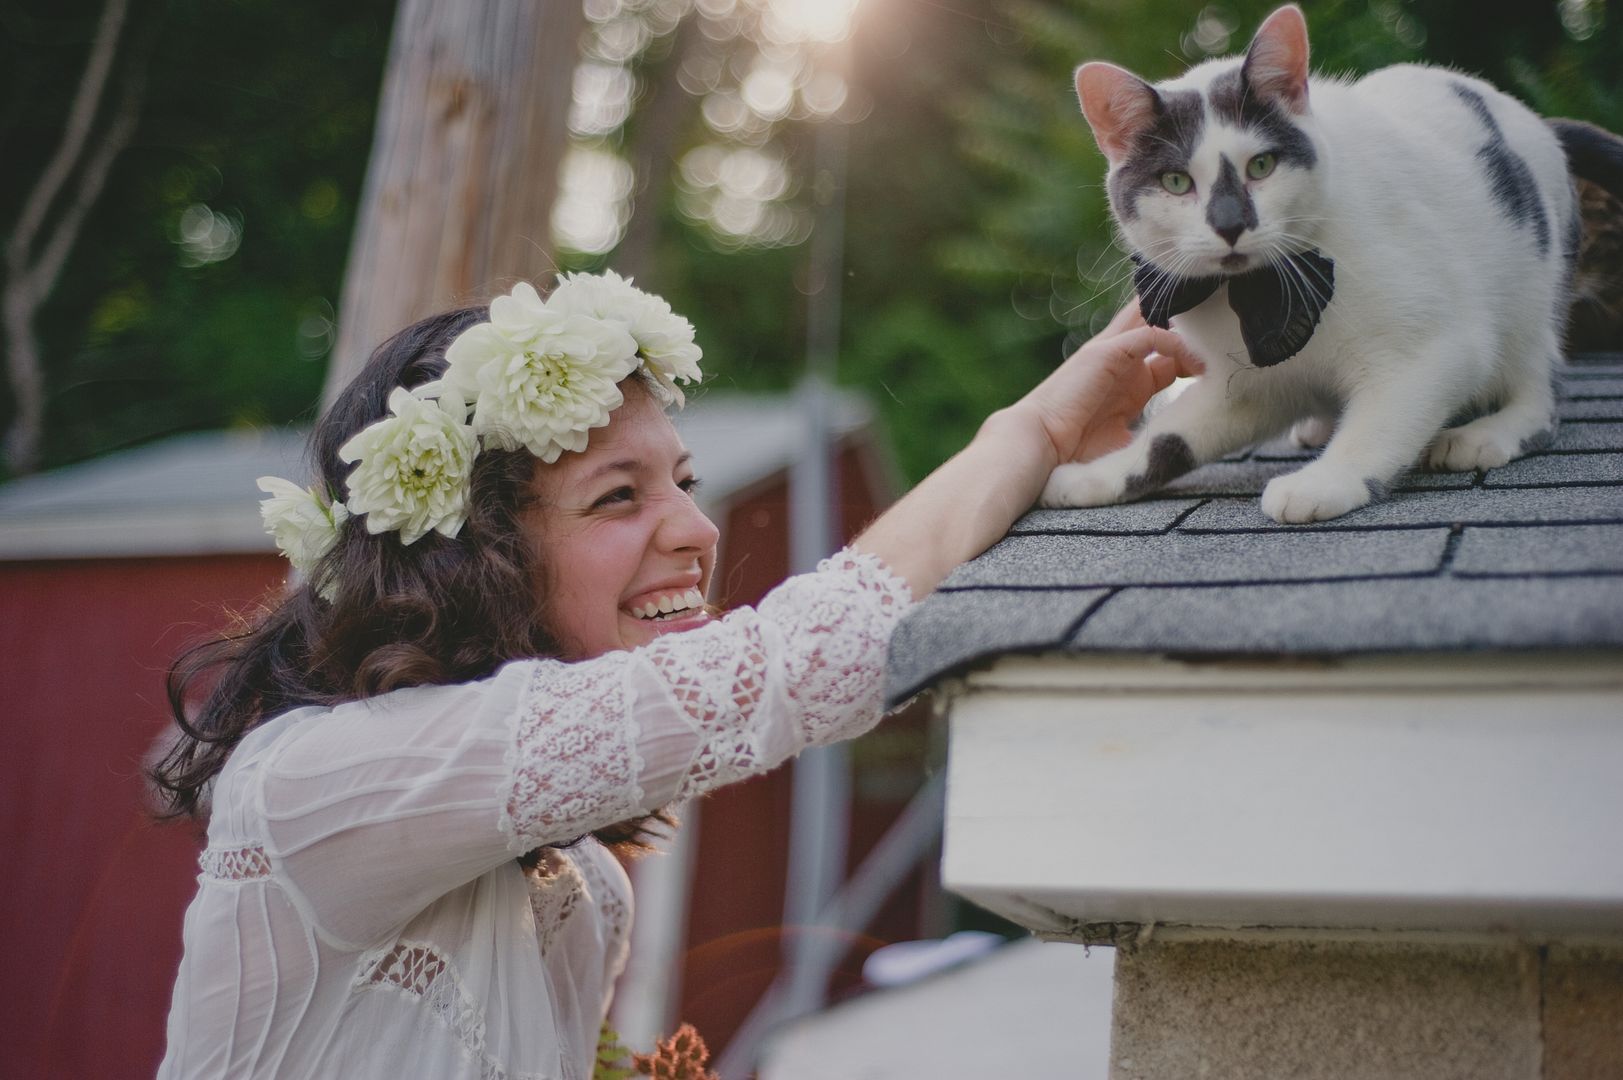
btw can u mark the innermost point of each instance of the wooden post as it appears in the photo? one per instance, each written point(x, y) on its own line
point(459, 190)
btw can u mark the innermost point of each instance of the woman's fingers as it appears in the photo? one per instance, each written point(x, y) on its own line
point(1128, 318)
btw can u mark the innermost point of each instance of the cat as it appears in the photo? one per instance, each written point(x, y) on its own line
point(1596, 322)
point(1389, 252)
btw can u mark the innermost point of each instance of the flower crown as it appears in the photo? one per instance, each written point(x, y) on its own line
point(539, 375)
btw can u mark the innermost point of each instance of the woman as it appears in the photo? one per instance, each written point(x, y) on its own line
point(498, 667)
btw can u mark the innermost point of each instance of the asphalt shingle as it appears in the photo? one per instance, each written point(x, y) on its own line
point(1577, 549)
point(1557, 469)
point(1070, 562)
point(1579, 436)
point(1476, 506)
point(1594, 386)
point(1250, 477)
point(932, 640)
point(1583, 408)
point(1150, 516)
point(1360, 617)
point(1526, 556)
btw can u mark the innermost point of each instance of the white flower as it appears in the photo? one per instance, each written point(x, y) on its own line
point(539, 378)
point(413, 467)
point(304, 525)
point(664, 339)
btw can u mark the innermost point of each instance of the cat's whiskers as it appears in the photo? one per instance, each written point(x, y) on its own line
point(1308, 243)
point(1308, 291)
point(1150, 253)
point(1328, 284)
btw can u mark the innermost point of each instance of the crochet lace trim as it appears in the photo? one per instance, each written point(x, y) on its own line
point(234, 864)
point(614, 909)
point(555, 886)
point(574, 755)
point(574, 758)
point(423, 972)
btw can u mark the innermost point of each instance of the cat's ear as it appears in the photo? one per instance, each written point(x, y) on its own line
point(1118, 105)
point(1276, 63)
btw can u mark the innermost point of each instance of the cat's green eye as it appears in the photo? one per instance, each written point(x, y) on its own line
point(1260, 166)
point(1177, 182)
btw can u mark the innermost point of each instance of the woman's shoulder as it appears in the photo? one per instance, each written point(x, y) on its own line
point(376, 725)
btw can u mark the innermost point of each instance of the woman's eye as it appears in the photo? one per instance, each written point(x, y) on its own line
point(1260, 166)
point(1178, 183)
point(691, 484)
point(618, 495)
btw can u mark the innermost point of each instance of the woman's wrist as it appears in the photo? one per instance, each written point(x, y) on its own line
point(1020, 440)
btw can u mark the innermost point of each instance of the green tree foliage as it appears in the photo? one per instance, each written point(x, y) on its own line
point(978, 244)
point(200, 293)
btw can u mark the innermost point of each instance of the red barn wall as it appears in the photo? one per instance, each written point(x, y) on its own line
point(92, 910)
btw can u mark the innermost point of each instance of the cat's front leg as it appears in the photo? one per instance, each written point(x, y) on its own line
point(1523, 422)
point(1205, 422)
point(1384, 427)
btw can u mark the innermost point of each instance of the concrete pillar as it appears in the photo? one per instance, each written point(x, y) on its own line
point(1305, 1009)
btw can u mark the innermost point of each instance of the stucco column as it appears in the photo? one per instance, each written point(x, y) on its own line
point(1306, 1008)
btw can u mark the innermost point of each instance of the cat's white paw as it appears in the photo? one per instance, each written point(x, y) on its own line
point(1312, 433)
point(1470, 447)
point(1083, 485)
point(1313, 494)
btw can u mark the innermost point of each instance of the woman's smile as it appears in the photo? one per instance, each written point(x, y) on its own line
point(628, 552)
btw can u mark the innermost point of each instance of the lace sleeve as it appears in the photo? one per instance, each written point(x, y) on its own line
point(370, 813)
point(608, 739)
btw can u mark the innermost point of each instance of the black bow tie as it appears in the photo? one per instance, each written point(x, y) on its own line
point(1278, 310)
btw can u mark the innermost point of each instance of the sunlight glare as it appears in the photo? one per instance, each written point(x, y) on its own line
point(809, 20)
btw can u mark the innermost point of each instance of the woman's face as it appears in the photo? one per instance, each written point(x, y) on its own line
point(620, 536)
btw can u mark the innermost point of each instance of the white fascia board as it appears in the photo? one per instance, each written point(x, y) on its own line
point(1454, 793)
point(137, 534)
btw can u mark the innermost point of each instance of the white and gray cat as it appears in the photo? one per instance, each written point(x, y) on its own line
point(1389, 252)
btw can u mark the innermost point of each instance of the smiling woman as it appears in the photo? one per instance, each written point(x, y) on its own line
point(496, 667)
point(621, 517)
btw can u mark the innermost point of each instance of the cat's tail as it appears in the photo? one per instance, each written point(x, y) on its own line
point(1593, 153)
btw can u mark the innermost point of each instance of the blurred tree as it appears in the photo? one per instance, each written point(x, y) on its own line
point(71, 182)
point(464, 164)
point(978, 244)
point(712, 106)
point(201, 294)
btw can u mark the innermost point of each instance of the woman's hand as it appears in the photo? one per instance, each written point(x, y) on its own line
point(1087, 406)
point(1082, 410)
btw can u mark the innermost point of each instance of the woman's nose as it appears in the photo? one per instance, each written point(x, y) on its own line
point(687, 528)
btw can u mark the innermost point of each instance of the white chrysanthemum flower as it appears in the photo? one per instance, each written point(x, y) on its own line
point(540, 379)
point(413, 467)
point(664, 339)
point(304, 525)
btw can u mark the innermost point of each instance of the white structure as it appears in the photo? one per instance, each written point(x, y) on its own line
point(1348, 797)
point(1047, 1003)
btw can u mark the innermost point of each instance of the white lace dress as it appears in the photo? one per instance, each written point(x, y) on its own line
point(360, 912)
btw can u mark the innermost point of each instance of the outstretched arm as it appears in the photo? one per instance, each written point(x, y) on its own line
point(1082, 410)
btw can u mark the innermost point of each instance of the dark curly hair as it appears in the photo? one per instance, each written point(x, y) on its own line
point(436, 611)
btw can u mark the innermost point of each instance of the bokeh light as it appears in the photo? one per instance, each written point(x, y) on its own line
point(739, 192)
point(602, 99)
point(207, 236)
point(593, 204)
point(809, 20)
point(752, 67)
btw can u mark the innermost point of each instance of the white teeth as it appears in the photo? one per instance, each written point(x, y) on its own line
point(667, 605)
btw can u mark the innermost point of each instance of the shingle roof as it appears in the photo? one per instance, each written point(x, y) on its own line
point(1527, 556)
